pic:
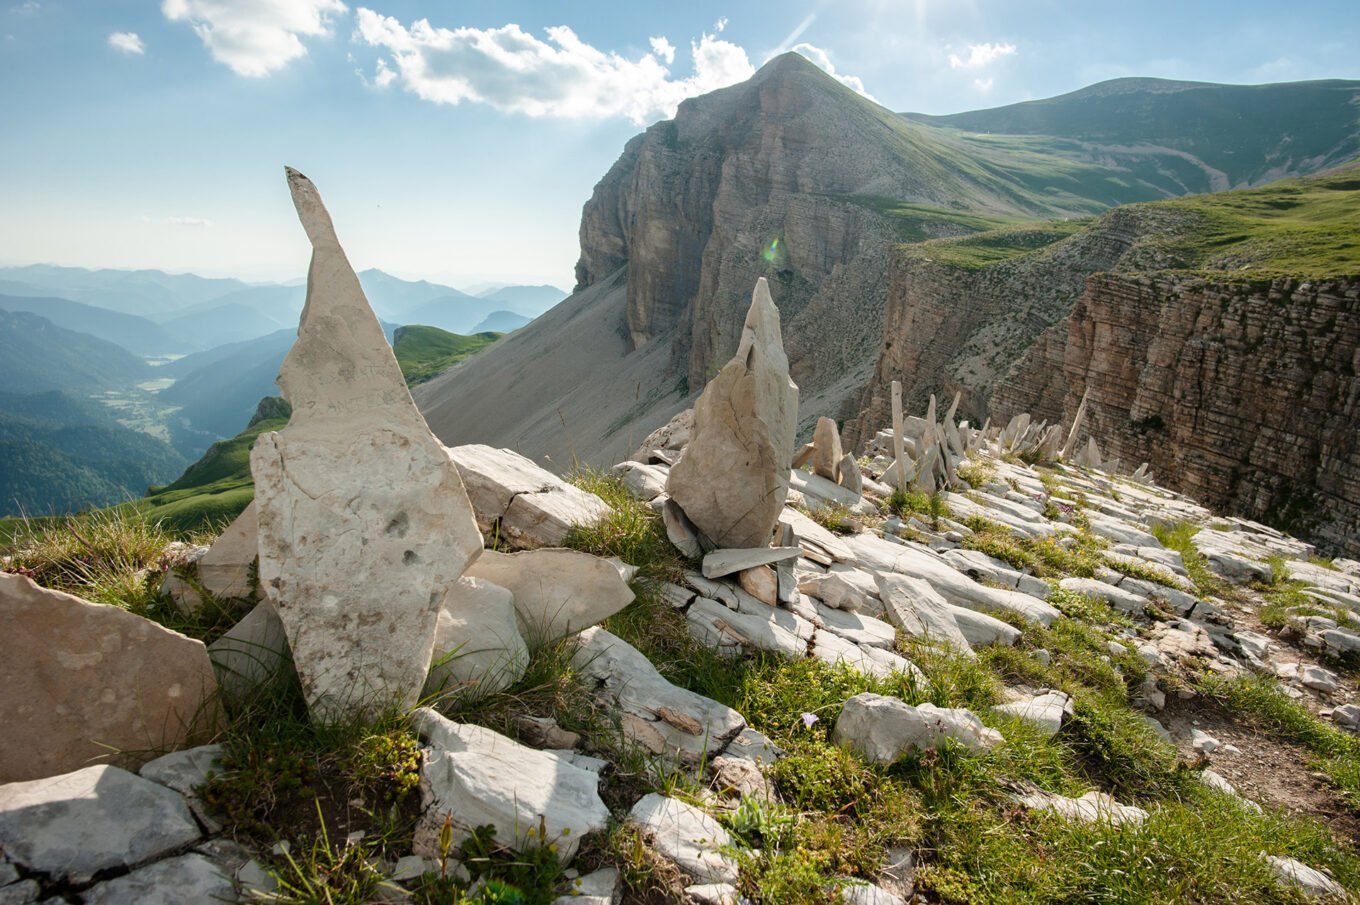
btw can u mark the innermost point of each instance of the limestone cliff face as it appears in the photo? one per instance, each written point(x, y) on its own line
point(761, 179)
point(1242, 394)
point(953, 328)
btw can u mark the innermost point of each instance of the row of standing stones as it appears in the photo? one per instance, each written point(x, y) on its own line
point(364, 560)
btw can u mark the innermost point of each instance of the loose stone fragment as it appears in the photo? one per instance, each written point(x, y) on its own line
point(826, 450)
point(478, 648)
point(733, 478)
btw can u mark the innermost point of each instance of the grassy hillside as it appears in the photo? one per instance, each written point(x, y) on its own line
point(37, 355)
point(1248, 133)
point(424, 352)
point(1306, 227)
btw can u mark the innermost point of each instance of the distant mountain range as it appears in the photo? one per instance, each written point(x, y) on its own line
point(155, 313)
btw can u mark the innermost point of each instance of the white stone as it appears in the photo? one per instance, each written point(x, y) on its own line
point(363, 520)
point(662, 717)
point(557, 592)
point(1093, 807)
point(1203, 742)
point(861, 893)
point(857, 628)
point(1319, 678)
point(1121, 600)
point(97, 818)
point(89, 682)
point(1046, 711)
point(644, 482)
point(478, 648)
point(882, 729)
point(480, 777)
point(805, 529)
point(712, 894)
point(253, 653)
point(1314, 883)
point(735, 632)
point(687, 836)
point(174, 881)
point(183, 771)
point(733, 478)
point(826, 450)
point(680, 530)
point(882, 555)
point(872, 661)
point(912, 605)
point(1347, 716)
point(980, 629)
point(835, 589)
point(753, 746)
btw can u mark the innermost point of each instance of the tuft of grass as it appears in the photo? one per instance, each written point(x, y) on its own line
point(976, 473)
point(903, 503)
point(1180, 537)
point(631, 531)
point(835, 517)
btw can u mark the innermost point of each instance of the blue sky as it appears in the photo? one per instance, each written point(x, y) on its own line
point(153, 133)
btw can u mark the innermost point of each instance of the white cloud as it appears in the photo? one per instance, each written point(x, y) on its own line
point(187, 221)
point(720, 25)
point(127, 42)
point(663, 49)
point(27, 8)
point(511, 70)
point(255, 37)
point(980, 55)
point(820, 58)
point(984, 85)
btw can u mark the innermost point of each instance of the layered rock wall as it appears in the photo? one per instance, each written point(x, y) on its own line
point(1243, 394)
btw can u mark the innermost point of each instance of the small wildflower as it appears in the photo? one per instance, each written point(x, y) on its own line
point(809, 719)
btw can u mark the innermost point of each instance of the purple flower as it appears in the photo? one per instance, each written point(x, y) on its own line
point(809, 719)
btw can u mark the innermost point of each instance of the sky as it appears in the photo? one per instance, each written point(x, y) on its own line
point(458, 140)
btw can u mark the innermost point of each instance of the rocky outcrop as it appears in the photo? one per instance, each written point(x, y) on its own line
point(1241, 393)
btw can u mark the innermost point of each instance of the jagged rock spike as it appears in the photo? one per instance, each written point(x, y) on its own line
point(1077, 420)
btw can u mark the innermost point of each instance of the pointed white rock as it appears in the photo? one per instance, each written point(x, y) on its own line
point(363, 519)
point(733, 478)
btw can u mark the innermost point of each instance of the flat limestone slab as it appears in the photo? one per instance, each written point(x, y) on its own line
point(188, 878)
point(88, 682)
point(481, 777)
point(74, 825)
point(882, 729)
point(727, 561)
point(363, 519)
point(662, 717)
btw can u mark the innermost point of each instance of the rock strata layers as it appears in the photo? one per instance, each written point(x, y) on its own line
point(363, 519)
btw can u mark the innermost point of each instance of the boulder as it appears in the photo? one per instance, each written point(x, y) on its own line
point(733, 478)
point(687, 836)
point(478, 648)
point(479, 777)
point(89, 682)
point(882, 729)
point(74, 825)
point(852, 479)
point(663, 718)
point(225, 571)
point(557, 592)
point(519, 503)
point(254, 652)
point(363, 519)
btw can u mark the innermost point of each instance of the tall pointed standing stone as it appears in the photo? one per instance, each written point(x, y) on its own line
point(734, 475)
point(900, 472)
point(1071, 445)
point(363, 520)
point(826, 450)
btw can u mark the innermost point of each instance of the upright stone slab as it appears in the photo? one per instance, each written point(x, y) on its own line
point(363, 519)
point(734, 475)
point(84, 683)
point(826, 450)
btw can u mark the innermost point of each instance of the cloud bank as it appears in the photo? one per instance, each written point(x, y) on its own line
point(516, 72)
point(255, 37)
point(127, 42)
